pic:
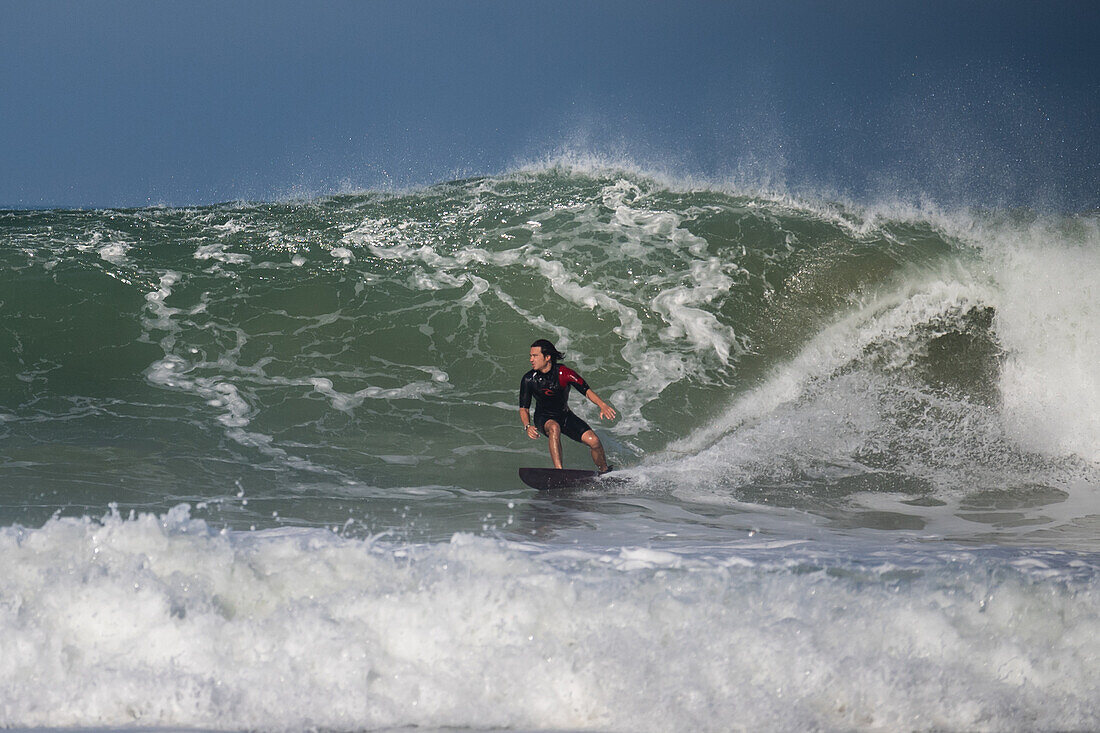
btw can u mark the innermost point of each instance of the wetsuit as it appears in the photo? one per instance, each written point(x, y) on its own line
point(551, 393)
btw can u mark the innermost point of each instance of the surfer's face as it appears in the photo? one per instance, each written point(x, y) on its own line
point(539, 362)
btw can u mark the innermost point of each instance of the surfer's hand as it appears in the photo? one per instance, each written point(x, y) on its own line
point(532, 432)
point(607, 412)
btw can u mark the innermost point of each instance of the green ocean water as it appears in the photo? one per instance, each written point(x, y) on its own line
point(354, 360)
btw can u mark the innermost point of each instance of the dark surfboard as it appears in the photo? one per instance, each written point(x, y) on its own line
point(547, 479)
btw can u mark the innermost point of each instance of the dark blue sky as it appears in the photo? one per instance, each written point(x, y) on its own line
point(135, 103)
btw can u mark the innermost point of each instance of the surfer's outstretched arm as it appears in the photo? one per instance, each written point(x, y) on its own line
point(607, 412)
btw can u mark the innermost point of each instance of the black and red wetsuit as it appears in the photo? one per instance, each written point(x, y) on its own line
point(551, 392)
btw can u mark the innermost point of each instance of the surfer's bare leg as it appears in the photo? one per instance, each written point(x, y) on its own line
point(553, 432)
point(593, 442)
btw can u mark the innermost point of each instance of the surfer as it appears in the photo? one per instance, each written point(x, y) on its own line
point(549, 382)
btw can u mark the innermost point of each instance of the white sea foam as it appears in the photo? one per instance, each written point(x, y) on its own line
point(343, 254)
point(640, 231)
point(347, 402)
point(114, 252)
point(228, 228)
point(216, 251)
point(160, 621)
point(162, 314)
point(1048, 319)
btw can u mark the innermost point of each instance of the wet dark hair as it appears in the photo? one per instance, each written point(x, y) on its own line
point(549, 350)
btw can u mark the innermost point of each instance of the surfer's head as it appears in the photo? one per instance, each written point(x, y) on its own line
point(543, 354)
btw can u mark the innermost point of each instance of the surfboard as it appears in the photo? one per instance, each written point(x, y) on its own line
point(546, 479)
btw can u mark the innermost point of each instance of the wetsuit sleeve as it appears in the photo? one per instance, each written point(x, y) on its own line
point(567, 376)
point(525, 392)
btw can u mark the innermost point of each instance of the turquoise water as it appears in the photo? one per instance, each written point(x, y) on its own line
point(258, 463)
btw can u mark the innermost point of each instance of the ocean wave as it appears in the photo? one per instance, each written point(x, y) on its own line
point(751, 341)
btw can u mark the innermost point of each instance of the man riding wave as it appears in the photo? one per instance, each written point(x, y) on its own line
point(548, 383)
